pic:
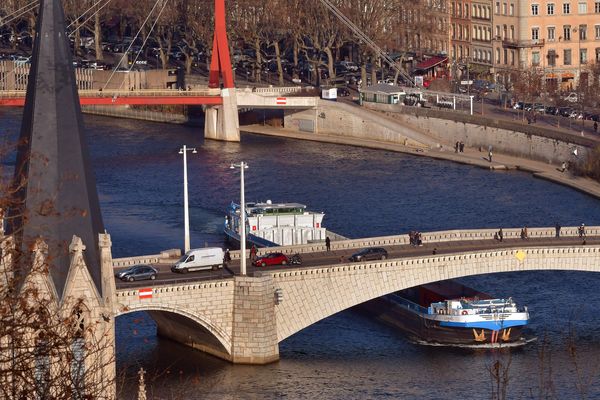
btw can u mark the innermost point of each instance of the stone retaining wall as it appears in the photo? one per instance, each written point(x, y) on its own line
point(508, 137)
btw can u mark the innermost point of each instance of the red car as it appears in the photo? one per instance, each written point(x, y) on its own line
point(271, 259)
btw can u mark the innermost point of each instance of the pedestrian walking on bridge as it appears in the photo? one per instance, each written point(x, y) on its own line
point(582, 231)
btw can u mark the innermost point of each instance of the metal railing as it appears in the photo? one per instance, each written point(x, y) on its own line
point(126, 93)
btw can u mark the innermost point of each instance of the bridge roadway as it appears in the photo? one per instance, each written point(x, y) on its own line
point(340, 256)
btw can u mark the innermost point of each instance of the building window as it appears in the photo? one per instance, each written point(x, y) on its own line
point(534, 9)
point(597, 30)
point(597, 7)
point(567, 32)
point(582, 32)
point(512, 32)
point(597, 54)
point(466, 11)
point(583, 56)
point(512, 57)
point(550, 9)
point(512, 9)
point(567, 57)
point(535, 33)
point(497, 56)
point(566, 8)
point(505, 56)
point(497, 31)
point(535, 58)
point(498, 7)
point(551, 33)
point(504, 8)
point(551, 58)
point(582, 8)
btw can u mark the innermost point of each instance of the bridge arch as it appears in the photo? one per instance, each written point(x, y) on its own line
point(310, 295)
point(187, 328)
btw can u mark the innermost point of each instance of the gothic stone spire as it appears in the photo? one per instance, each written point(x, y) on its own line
point(57, 195)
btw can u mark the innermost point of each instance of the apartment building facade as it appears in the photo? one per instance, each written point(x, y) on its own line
point(559, 37)
point(481, 22)
point(421, 26)
point(460, 29)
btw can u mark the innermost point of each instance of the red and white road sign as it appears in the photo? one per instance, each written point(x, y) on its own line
point(281, 100)
point(145, 293)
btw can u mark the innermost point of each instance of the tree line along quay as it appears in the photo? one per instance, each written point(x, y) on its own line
point(447, 43)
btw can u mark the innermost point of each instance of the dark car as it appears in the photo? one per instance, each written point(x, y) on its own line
point(137, 273)
point(551, 110)
point(372, 253)
point(271, 259)
point(565, 111)
point(343, 92)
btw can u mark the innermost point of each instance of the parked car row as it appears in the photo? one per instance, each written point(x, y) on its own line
point(568, 112)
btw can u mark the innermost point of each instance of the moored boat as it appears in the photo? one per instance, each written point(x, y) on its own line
point(450, 313)
point(275, 224)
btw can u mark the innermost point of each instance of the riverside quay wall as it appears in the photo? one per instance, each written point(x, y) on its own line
point(508, 137)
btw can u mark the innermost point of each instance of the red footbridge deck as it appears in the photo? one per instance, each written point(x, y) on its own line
point(125, 97)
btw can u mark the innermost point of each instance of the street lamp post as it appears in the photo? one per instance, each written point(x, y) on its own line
point(186, 211)
point(242, 166)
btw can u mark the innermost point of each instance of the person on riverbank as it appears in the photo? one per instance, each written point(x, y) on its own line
point(253, 253)
point(461, 147)
point(557, 229)
point(524, 233)
point(490, 155)
point(500, 235)
point(226, 258)
point(456, 146)
point(328, 243)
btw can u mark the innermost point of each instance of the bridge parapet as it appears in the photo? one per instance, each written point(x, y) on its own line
point(165, 256)
point(427, 237)
point(273, 90)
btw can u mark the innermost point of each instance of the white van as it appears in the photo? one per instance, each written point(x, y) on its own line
point(199, 259)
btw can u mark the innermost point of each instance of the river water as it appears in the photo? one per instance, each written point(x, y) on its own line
point(363, 193)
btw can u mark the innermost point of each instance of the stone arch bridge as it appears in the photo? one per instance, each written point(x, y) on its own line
point(241, 320)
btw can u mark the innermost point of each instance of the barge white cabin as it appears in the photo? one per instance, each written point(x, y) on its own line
point(276, 224)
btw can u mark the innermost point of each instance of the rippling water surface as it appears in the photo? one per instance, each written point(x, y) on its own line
point(363, 193)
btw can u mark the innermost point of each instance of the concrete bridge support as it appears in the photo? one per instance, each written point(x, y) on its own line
point(254, 333)
point(222, 122)
point(233, 319)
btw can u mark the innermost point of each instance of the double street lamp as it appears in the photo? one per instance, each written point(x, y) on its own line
point(186, 211)
point(242, 166)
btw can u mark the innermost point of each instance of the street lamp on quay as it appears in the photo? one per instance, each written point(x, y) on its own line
point(242, 166)
point(186, 211)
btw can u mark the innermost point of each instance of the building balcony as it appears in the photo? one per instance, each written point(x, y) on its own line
point(520, 44)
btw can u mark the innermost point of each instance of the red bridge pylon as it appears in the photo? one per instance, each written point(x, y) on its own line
point(220, 64)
